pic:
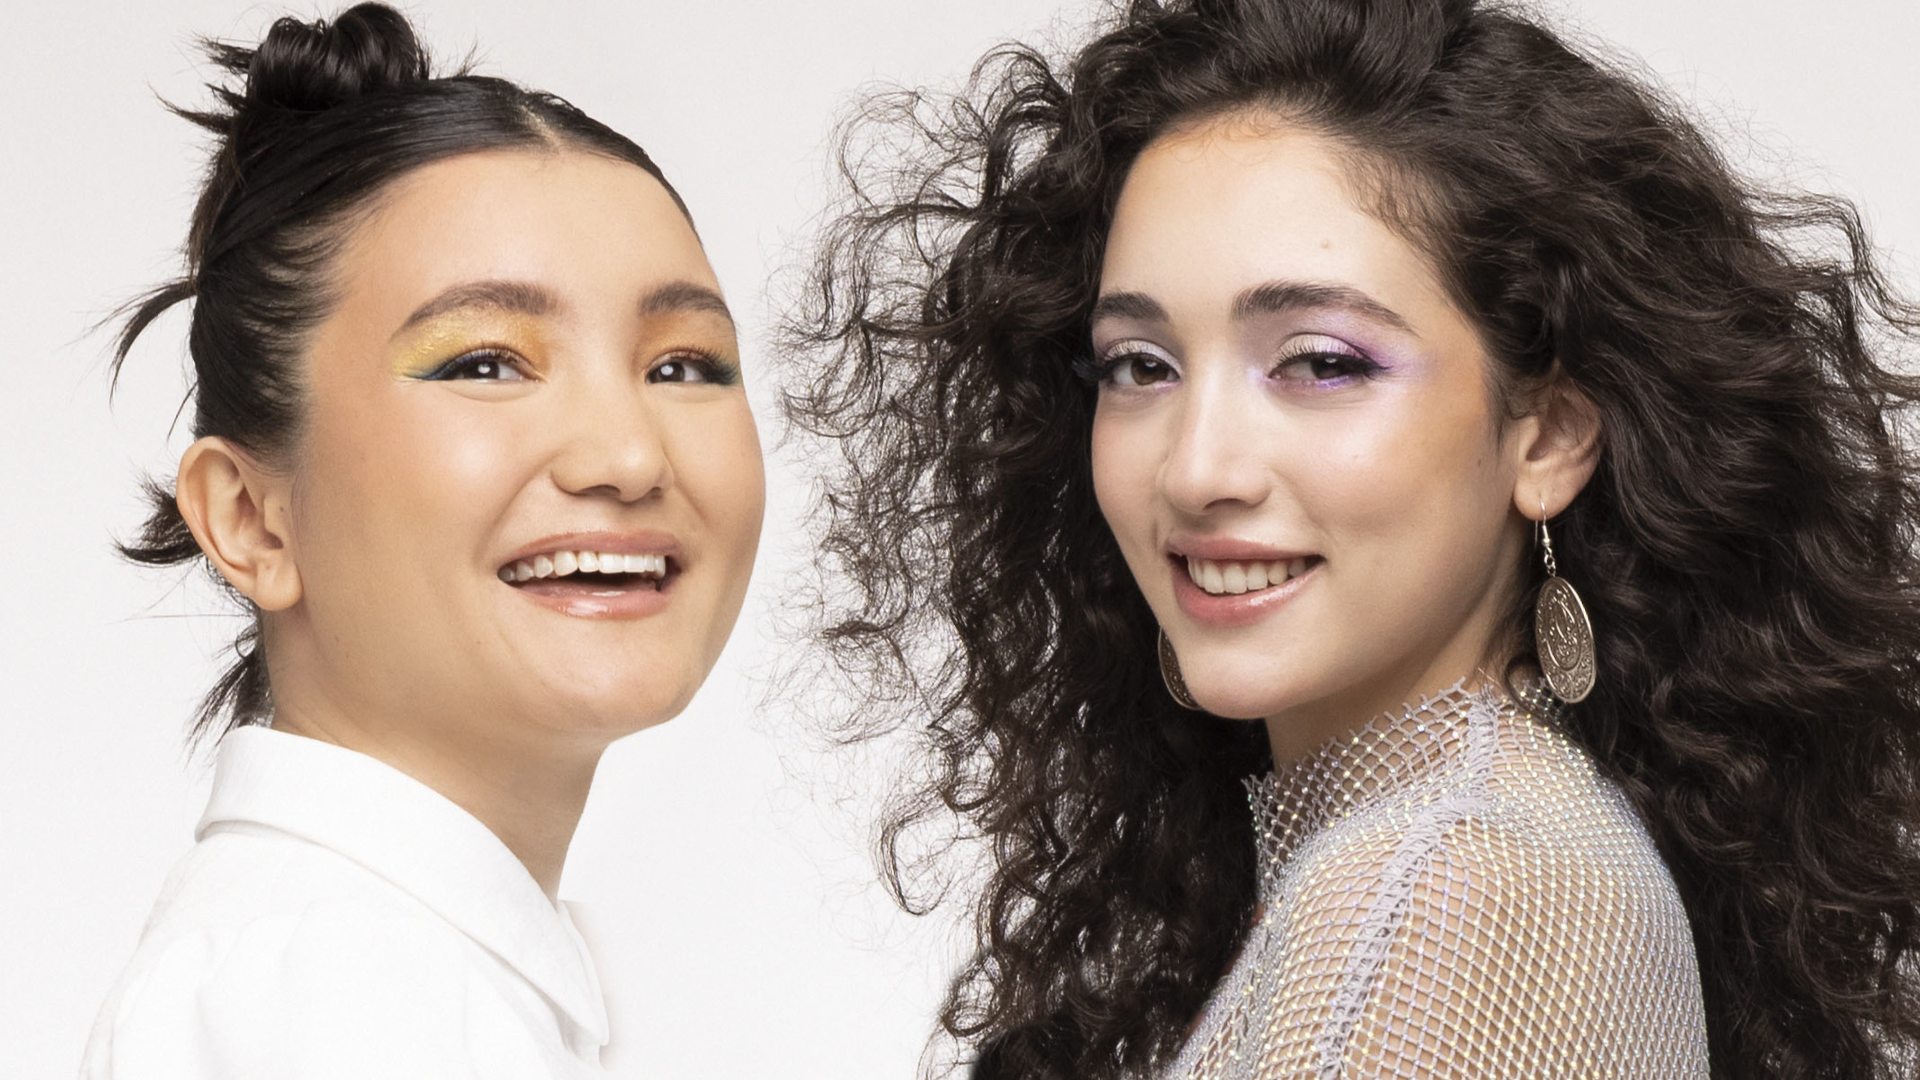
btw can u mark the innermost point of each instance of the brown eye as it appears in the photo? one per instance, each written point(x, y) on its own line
point(481, 365)
point(1318, 368)
point(694, 369)
point(1142, 370)
point(1319, 360)
point(1137, 364)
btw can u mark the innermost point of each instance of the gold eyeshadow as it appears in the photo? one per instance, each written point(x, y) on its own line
point(421, 350)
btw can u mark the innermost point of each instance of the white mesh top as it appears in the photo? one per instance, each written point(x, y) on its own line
point(1453, 891)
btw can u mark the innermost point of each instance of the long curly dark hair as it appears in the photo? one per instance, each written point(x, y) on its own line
point(1746, 547)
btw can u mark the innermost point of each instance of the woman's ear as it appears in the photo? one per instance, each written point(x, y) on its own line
point(238, 512)
point(1556, 447)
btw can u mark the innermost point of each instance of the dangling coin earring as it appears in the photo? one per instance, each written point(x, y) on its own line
point(1562, 635)
point(1170, 674)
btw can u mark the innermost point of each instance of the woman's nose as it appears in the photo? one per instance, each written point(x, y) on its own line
point(1215, 458)
point(613, 447)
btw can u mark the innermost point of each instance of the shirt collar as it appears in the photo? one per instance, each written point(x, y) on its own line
point(415, 838)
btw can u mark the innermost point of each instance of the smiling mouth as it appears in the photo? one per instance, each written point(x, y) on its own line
point(1221, 578)
point(590, 572)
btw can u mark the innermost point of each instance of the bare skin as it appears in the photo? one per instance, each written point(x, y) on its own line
point(1289, 385)
point(529, 355)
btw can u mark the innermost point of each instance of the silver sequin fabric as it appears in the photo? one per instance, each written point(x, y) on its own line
point(1453, 891)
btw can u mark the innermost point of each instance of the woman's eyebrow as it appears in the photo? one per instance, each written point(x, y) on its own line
point(516, 296)
point(1276, 297)
point(1268, 298)
point(526, 298)
point(1128, 305)
point(684, 296)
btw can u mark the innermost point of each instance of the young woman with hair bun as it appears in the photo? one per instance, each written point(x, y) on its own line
point(1425, 555)
point(473, 453)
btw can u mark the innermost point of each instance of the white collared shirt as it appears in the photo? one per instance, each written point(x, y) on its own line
point(336, 919)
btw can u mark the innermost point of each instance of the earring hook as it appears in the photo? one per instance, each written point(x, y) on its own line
point(1546, 542)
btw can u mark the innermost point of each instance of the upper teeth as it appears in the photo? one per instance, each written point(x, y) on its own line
point(562, 563)
point(1237, 577)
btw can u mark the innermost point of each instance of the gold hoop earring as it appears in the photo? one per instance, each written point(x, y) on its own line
point(1562, 634)
point(1170, 674)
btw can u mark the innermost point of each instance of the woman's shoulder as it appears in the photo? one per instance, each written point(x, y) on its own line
point(1522, 917)
point(1527, 844)
point(1530, 831)
point(269, 956)
point(244, 883)
point(1540, 942)
point(1549, 810)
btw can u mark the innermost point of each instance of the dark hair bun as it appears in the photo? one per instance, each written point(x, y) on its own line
point(311, 66)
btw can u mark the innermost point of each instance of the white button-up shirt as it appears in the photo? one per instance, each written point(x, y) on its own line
point(339, 919)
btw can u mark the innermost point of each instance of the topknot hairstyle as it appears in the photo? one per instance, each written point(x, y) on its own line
point(1746, 546)
point(322, 117)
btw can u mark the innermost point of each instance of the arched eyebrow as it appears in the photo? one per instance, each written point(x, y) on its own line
point(1128, 305)
point(516, 296)
point(525, 298)
point(1278, 297)
point(684, 296)
point(1268, 298)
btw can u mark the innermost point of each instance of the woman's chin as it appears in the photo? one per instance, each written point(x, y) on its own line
point(583, 729)
point(606, 711)
point(1223, 698)
point(1242, 684)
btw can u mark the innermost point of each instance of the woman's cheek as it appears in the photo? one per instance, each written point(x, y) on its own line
point(1116, 486)
point(462, 449)
point(740, 478)
point(1125, 461)
point(714, 452)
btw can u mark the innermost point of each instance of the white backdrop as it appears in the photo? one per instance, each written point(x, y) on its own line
point(731, 899)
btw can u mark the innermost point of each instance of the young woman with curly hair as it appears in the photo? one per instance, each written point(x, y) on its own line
point(1392, 374)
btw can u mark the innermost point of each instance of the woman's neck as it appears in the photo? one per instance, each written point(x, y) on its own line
point(529, 795)
point(1305, 729)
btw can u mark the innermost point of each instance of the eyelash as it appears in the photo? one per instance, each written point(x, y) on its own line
point(715, 371)
point(470, 361)
point(1100, 371)
point(1348, 365)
